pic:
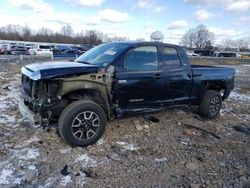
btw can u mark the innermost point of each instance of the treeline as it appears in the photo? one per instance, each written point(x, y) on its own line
point(200, 37)
point(65, 35)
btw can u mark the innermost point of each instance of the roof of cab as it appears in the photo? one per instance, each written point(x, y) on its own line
point(135, 43)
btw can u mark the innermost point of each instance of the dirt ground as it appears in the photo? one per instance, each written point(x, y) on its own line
point(134, 152)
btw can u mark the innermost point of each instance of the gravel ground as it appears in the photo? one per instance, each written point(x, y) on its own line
point(134, 152)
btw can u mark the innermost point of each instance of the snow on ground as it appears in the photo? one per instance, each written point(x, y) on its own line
point(127, 146)
point(235, 95)
point(161, 159)
point(28, 153)
point(25, 153)
point(85, 160)
point(8, 176)
point(64, 150)
point(27, 142)
point(65, 180)
point(7, 119)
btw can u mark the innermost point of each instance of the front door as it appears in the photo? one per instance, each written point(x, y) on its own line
point(140, 84)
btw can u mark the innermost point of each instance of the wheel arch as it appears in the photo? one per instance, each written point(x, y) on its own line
point(90, 94)
point(216, 85)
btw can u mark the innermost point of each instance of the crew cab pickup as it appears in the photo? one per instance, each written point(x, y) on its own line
point(118, 79)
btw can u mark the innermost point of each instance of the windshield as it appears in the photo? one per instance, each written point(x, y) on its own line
point(102, 55)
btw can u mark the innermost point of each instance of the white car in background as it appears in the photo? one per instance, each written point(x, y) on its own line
point(40, 49)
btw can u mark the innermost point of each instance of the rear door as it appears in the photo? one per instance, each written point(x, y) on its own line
point(177, 75)
point(139, 83)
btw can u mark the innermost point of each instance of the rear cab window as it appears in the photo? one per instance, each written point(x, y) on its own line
point(143, 58)
point(170, 59)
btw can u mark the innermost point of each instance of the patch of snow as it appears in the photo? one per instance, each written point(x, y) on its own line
point(239, 96)
point(27, 142)
point(49, 182)
point(32, 167)
point(9, 98)
point(86, 160)
point(127, 146)
point(161, 159)
point(64, 151)
point(100, 142)
point(7, 120)
point(224, 111)
point(238, 71)
point(7, 177)
point(28, 153)
point(66, 180)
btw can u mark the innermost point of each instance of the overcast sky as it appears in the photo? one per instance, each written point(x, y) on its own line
point(132, 18)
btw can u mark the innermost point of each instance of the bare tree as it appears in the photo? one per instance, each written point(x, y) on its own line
point(93, 37)
point(240, 44)
point(14, 31)
point(66, 35)
point(188, 39)
point(140, 39)
point(67, 30)
point(199, 37)
point(108, 38)
point(26, 33)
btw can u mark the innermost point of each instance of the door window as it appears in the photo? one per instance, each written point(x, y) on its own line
point(171, 59)
point(142, 59)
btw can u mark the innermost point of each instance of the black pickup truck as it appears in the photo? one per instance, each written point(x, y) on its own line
point(118, 79)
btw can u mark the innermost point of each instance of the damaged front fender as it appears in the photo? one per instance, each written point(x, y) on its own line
point(98, 85)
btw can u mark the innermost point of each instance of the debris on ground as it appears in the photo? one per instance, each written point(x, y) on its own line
point(152, 119)
point(242, 128)
point(201, 129)
point(64, 171)
point(133, 152)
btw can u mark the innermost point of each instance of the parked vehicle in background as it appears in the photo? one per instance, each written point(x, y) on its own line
point(193, 54)
point(63, 49)
point(18, 50)
point(40, 49)
point(2, 49)
point(86, 47)
point(228, 54)
point(5, 48)
point(204, 52)
point(118, 79)
point(245, 55)
point(79, 49)
point(28, 46)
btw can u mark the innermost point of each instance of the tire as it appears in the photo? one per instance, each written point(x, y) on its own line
point(82, 123)
point(210, 104)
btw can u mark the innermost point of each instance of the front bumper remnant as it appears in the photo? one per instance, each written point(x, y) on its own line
point(34, 118)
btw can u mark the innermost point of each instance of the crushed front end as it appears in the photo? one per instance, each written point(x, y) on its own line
point(39, 98)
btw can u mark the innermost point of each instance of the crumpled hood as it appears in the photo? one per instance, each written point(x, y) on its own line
point(53, 69)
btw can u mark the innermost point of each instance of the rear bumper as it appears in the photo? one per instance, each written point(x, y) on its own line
point(34, 118)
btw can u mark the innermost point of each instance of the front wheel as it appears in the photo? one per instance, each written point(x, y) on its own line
point(82, 123)
point(210, 104)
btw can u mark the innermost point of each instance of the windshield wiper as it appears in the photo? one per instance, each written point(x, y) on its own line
point(84, 62)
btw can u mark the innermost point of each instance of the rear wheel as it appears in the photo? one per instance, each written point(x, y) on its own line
point(210, 104)
point(82, 123)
